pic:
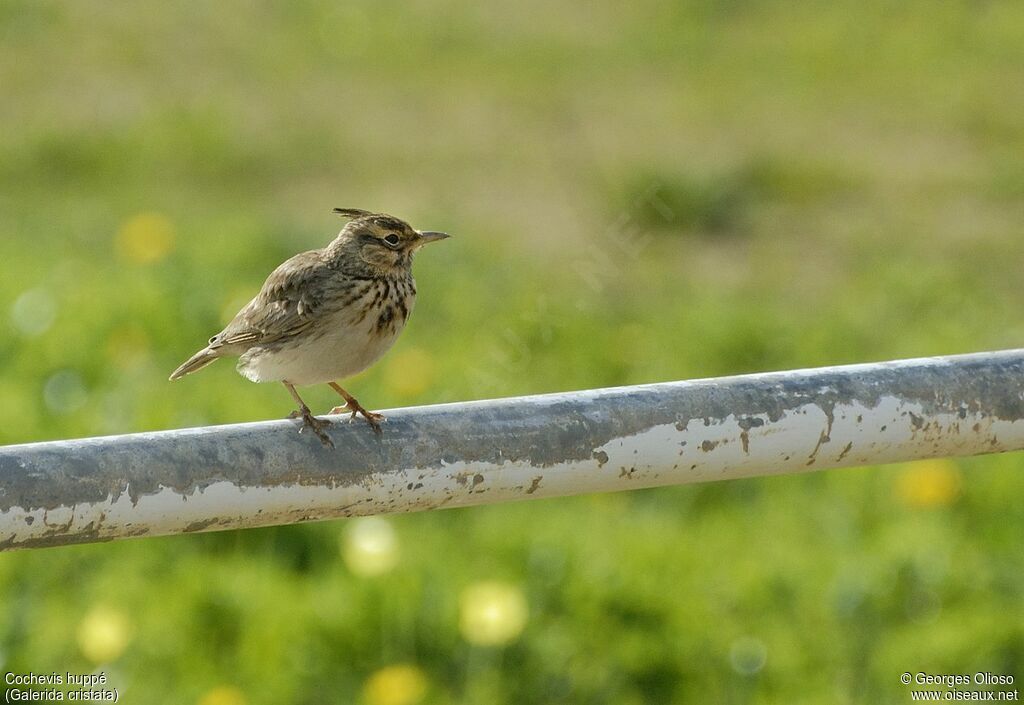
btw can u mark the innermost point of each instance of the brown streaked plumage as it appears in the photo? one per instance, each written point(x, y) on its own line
point(326, 314)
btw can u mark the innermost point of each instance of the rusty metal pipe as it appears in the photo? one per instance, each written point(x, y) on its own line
point(451, 455)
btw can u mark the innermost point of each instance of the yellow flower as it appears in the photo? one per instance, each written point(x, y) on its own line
point(399, 684)
point(929, 483)
point(369, 546)
point(145, 238)
point(103, 634)
point(409, 372)
point(492, 613)
point(223, 695)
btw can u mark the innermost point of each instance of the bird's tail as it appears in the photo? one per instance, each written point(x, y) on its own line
point(195, 363)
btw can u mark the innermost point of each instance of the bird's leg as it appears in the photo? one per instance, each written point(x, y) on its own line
point(353, 406)
point(308, 419)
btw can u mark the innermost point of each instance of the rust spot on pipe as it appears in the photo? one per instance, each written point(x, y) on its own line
point(471, 478)
point(846, 449)
point(746, 423)
point(200, 525)
point(823, 438)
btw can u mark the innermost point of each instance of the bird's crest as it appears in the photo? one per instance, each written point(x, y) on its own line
point(352, 213)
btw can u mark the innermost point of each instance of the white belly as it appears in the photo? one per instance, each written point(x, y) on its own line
point(341, 351)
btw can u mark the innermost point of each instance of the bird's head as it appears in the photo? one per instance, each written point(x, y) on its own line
point(382, 241)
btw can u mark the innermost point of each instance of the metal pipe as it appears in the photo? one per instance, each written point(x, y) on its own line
point(451, 455)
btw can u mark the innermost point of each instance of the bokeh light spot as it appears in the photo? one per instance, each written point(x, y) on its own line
point(369, 546)
point(492, 613)
point(748, 655)
point(223, 695)
point(64, 392)
point(929, 483)
point(33, 312)
point(399, 684)
point(145, 238)
point(103, 634)
point(410, 372)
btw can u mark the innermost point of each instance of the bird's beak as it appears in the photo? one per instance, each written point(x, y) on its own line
point(431, 236)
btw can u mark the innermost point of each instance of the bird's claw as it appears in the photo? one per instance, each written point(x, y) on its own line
point(374, 420)
point(313, 423)
point(372, 417)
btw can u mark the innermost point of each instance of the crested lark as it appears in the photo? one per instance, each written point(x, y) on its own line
point(326, 314)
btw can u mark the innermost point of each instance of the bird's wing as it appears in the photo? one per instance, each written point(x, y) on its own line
point(290, 301)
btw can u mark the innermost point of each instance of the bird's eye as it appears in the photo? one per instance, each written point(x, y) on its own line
point(392, 239)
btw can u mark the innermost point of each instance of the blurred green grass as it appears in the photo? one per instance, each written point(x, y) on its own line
point(642, 193)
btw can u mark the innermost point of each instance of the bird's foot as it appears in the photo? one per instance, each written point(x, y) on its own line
point(316, 425)
point(353, 407)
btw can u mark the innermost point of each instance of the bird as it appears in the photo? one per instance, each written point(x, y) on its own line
point(327, 314)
